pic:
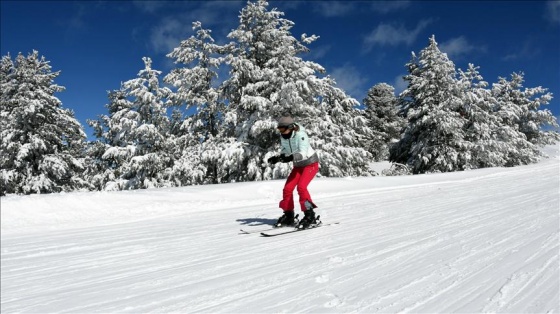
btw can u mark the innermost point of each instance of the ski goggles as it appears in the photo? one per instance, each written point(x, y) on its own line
point(283, 128)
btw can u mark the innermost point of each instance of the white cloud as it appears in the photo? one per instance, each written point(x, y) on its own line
point(529, 50)
point(167, 35)
point(553, 11)
point(332, 8)
point(149, 6)
point(77, 20)
point(389, 35)
point(350, 80)
point(458, 47)
point(318, 52)
point(400, 84)
point(385, 7)
point(177, 26)
point(343, 8)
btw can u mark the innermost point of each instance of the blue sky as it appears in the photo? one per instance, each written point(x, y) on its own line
point(99, 44)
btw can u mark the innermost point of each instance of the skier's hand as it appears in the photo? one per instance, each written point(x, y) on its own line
point(285, 158)
point(273, 159)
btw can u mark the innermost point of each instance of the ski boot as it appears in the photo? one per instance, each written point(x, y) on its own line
point(287, 220)
point(308, 220)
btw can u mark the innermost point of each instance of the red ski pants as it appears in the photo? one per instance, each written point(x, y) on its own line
point(300, 177)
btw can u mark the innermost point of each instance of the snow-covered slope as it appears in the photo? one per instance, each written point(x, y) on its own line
point(476, 241)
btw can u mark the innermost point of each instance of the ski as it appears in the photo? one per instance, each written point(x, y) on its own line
point(242, 231)
point(267, 234)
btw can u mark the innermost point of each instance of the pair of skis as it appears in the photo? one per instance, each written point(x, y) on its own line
point(276, 231)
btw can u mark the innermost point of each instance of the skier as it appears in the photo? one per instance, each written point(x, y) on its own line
point(296, 148)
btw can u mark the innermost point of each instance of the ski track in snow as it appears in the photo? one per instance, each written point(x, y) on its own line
point(479, 241)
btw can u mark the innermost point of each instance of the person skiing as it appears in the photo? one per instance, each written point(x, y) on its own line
point(296, 148)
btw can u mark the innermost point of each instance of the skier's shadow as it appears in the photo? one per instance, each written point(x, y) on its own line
point(256, 221)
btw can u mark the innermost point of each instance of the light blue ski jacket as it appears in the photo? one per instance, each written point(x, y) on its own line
point(298, 145)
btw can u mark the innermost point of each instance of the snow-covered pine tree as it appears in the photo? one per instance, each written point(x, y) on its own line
point(382, 114)
point(530, 118)
point(97, 170)
point(42, 143)
point(6, 67)
point(110, 136)
point(520, 124)
point(342, 135)
point(485, 150)
point(196, 87)
point(433, 141)
point(267, 80)
point(136, 134)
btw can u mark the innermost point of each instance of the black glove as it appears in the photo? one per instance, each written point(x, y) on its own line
point(282, 158)
point(273, 159)
point(285, 158)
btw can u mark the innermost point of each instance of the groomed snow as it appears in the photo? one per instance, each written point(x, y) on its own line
point(475, 241)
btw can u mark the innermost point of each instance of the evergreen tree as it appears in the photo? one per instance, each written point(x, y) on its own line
point(382, 114)
point(201, 58)
point(268, 79)
point(136, 134)
point(42, 143)
point(97, 170)
point(525, 105)
point(433, 141)
point(6, 67)
point(111, 135)
point(517, 129)
point(481, 128)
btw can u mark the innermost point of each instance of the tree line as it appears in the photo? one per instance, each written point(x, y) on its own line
point(191, 127)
